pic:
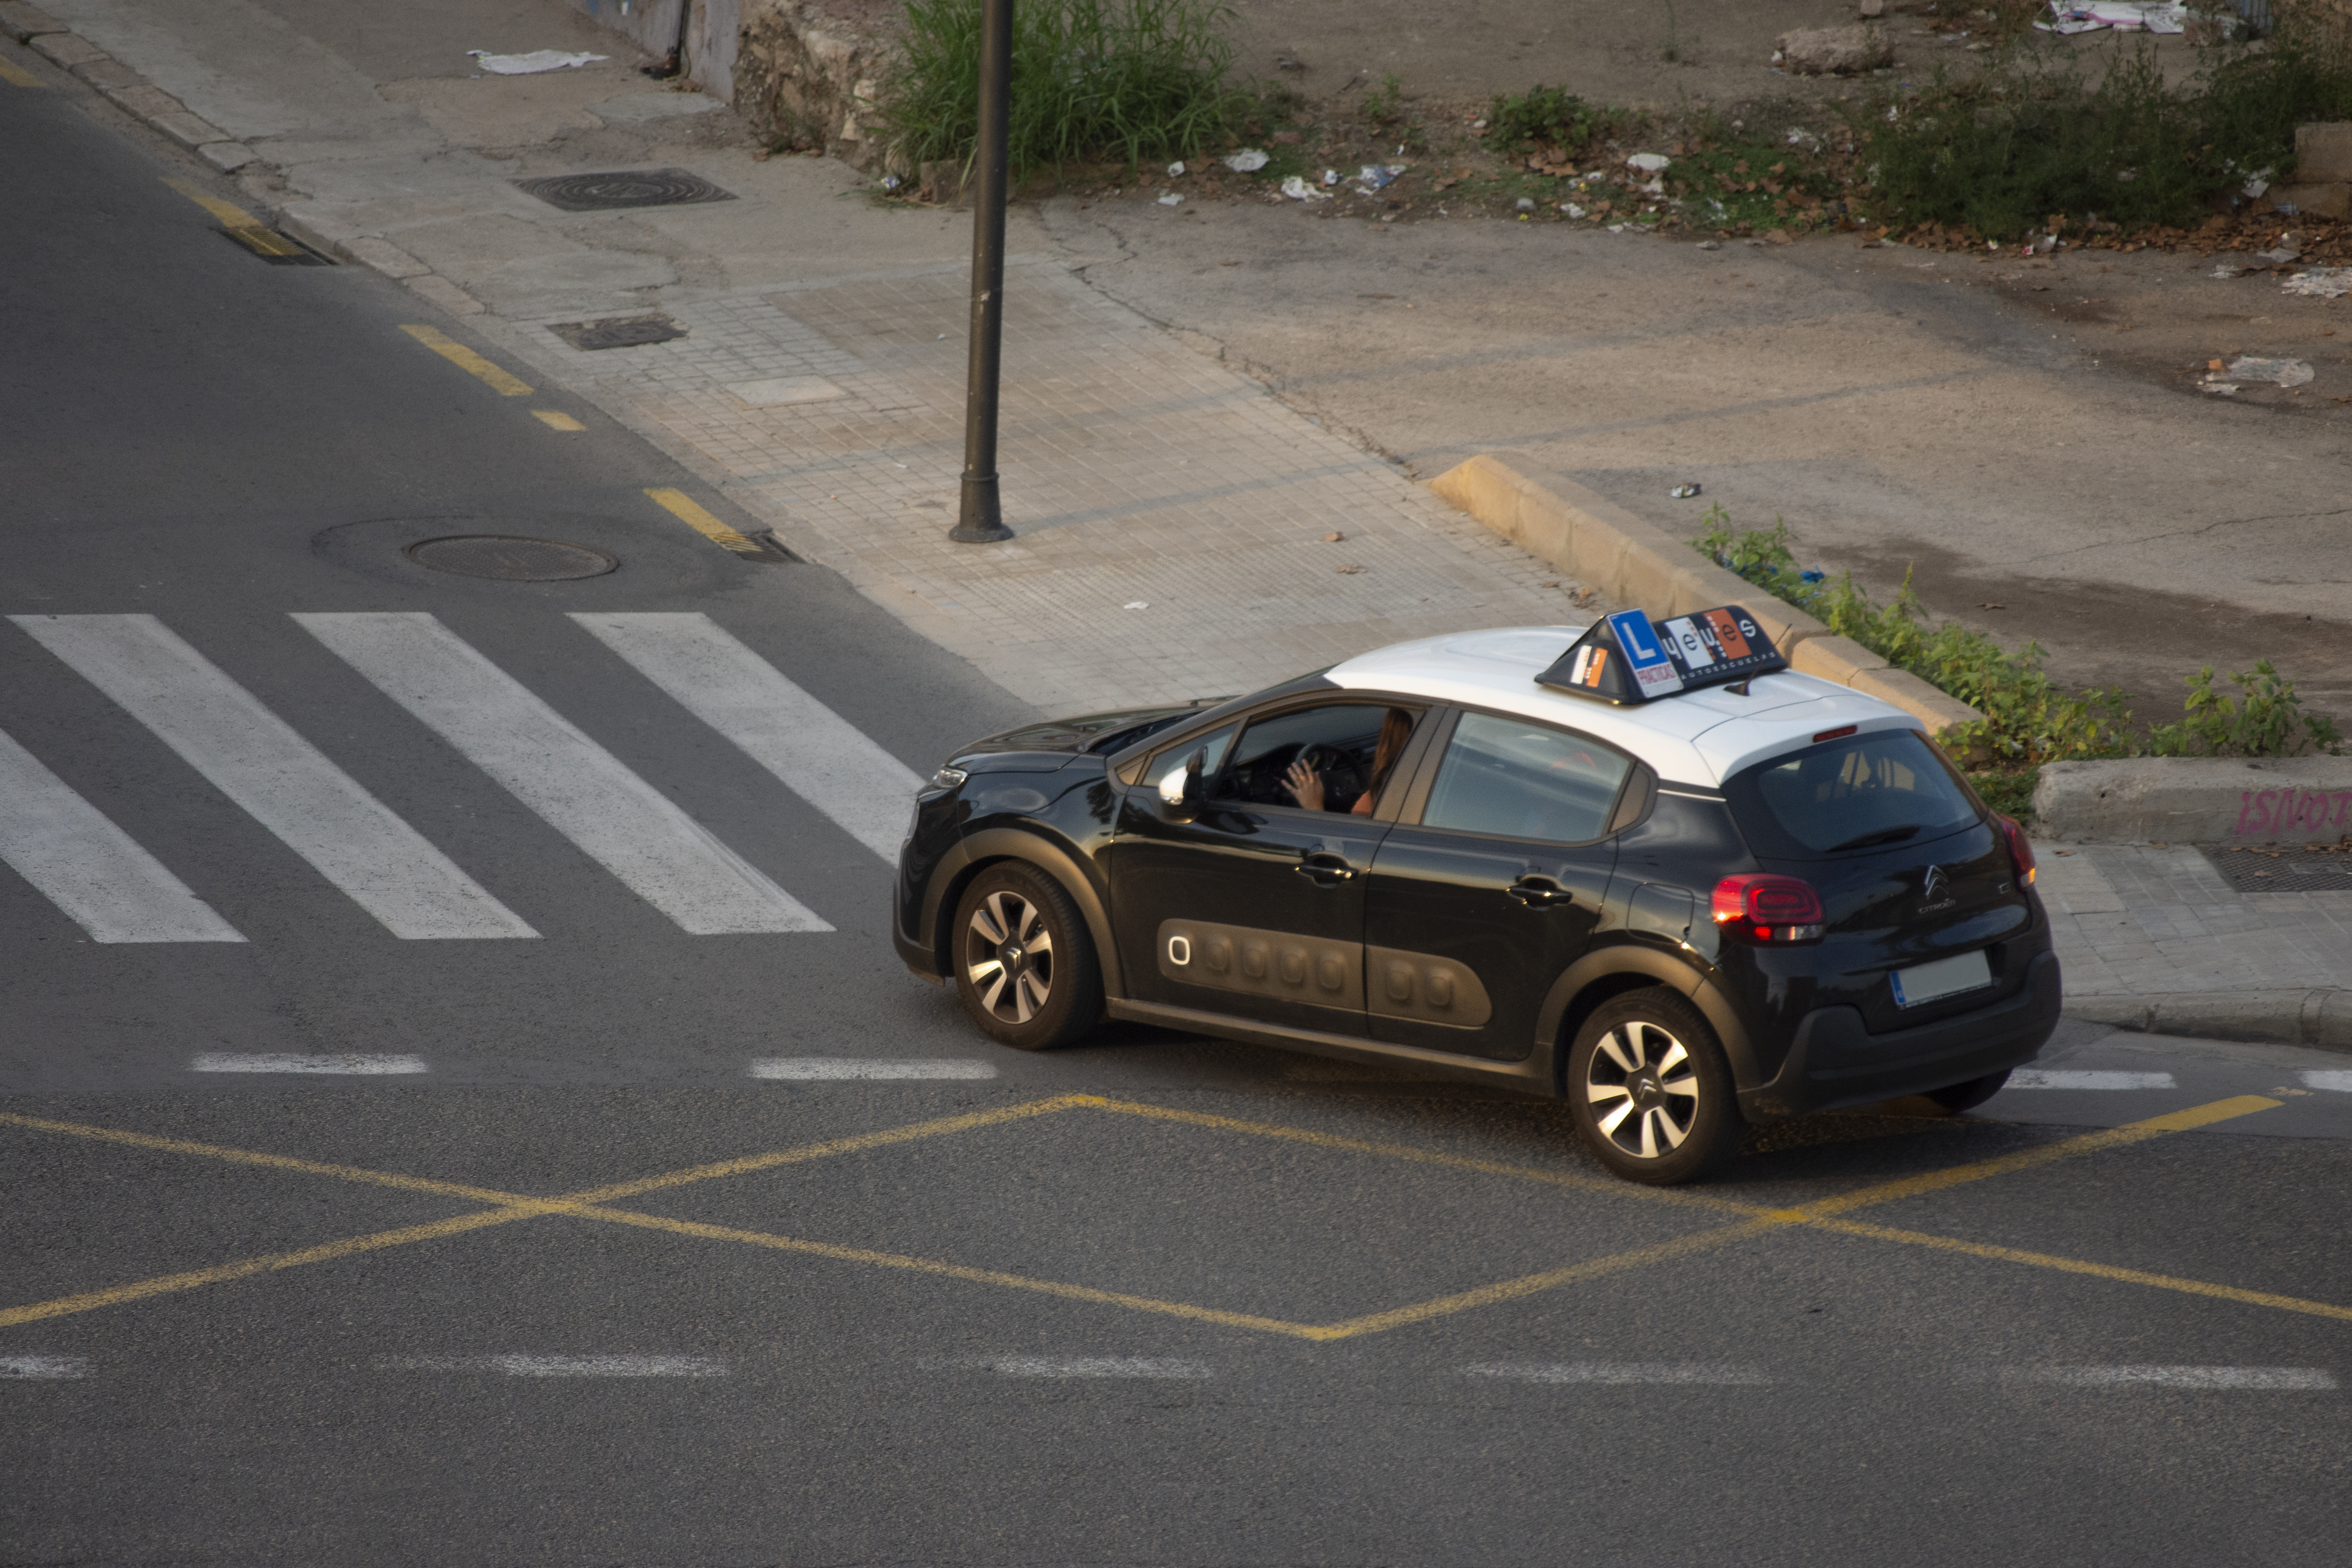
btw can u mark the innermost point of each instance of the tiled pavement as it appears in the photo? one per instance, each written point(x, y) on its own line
point(1170, 513)
point(2136, 920)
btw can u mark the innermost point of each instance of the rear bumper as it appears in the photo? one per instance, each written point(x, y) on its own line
point(1835, 1062)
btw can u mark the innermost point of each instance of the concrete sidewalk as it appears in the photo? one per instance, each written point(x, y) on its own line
point(1172, 512)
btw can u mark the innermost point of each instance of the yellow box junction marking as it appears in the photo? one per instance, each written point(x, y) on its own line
point(554, 421)
point(690, 511)
point(1755, 1221)
point(467, 360)
point(16, 75)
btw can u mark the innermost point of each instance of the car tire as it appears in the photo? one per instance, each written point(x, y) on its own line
point(1051, 991)
point(1970, 1095)
point(1650, 1091)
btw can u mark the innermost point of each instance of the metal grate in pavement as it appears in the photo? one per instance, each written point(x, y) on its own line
point(618, 332)
point(623, 188)
point(2313, 869)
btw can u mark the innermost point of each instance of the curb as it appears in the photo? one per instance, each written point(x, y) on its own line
point(2196, 800)
point(2318, 1019)
point(1601, 544)
point(46, 36)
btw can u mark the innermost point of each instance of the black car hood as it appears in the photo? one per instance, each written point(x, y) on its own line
point(1090, 733)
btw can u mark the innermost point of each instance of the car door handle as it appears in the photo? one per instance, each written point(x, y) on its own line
point(1540, 892)
point(1323, 867)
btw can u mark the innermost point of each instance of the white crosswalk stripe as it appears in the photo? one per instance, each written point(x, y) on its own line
point(572, 783)
point(276, 776)
point(815, 752)
point(90, 868)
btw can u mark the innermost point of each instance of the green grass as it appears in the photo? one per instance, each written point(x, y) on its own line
point(2029, 718)
point(1092, 80)
point(2035, 140)
point(1550, 117)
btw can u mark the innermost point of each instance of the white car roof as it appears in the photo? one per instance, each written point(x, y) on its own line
point(1700, 737)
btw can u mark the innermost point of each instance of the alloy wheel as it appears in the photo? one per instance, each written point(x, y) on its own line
point(1009, 956)
point(1642, 1088)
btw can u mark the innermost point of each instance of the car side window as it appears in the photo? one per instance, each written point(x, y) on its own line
point(1337, 740)
point(1203, 755)
point(1514, 778)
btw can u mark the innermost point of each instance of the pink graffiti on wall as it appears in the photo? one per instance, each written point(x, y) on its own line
point(2293, 810)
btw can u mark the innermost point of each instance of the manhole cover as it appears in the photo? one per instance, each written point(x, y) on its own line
point(2317, 868)
point(625, 188)
point(618, 332)
point(509, 558)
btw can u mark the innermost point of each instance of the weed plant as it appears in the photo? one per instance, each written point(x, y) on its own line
point(2029, 718)
point(2033, 142)
point(1547, 116)
point(1134, 79)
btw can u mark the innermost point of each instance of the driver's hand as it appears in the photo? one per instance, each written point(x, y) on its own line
point(1306, 785)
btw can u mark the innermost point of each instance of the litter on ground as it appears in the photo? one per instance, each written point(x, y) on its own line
point(1296, 188)
point(532, 63)
point(1683, 492)
point(2125, 15)
point(2279, 372)
point(2320, 283)
point(1248, 160)
point(1170, 199)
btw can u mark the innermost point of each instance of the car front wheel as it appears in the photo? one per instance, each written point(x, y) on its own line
point(1650, 1090)
point(1024, 966)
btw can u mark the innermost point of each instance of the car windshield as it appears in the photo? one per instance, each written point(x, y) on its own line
point(1864, 792)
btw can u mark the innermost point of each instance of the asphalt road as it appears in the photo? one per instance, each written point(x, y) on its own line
point(533, 1266)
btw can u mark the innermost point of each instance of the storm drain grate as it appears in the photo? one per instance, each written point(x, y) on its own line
point(618, 332)
point(2313, 869)
point(623, 188)
point(510, 558)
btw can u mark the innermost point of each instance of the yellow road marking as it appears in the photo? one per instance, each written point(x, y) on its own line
point(465, 358)
point(116, 1294)
point(684, 507)
point(2081, 1266)
point(849, 1146)
point(229, 213)
point(17, 75)
point(1609, 1186)
point(2069, 1149)
point(554, 421)
point(585, 1205)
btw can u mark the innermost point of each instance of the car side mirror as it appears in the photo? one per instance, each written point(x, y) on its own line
point(1180, 787)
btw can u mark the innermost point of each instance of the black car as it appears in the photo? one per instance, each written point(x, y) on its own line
point(1730, 905)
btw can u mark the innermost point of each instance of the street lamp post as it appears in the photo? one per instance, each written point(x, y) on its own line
point(981, 518)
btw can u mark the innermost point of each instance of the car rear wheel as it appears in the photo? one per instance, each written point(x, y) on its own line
point(1650, 1090)
point(1024, 967)
point(1970, 1095)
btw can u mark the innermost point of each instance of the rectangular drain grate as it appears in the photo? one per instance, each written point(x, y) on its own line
point(618, 332)
point(275, 248)
point(2292, 868)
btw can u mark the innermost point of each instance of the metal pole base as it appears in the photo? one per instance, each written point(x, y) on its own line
point(979, 522)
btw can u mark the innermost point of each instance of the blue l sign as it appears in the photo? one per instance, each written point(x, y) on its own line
point(1653, 673)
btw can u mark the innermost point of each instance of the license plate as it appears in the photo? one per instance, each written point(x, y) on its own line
point(1945, 977)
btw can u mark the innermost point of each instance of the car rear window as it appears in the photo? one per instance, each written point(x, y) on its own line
point(1862, 793)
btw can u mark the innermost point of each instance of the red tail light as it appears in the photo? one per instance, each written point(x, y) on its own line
point(1760, 907)
point(2021, 852)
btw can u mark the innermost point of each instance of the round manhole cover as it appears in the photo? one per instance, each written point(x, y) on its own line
point(625, 188)
point(510, 558)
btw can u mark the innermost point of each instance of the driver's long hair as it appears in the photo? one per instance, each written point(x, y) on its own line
point(1395, 731)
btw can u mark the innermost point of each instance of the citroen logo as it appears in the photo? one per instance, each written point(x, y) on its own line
point(1933, 884)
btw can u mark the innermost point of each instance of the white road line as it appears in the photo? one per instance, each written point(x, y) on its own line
point(548, 763)
point(2328, 1078)
point(2044, 1078)
point(43, 1368)
point(228, 1061)
point(560, 1365)
point(1619, 1372)
point(818, 754)
point(2270, 1377)
point(1086, 1366)
point(276, 776)
point(834, 1068)
point(89, 868)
